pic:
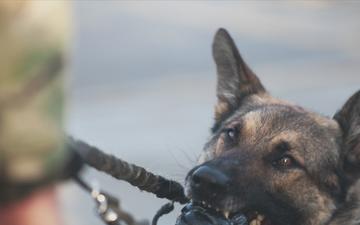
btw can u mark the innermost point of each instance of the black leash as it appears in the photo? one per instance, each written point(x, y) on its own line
point(165, 209)
point(108, 207)
point(121, 170)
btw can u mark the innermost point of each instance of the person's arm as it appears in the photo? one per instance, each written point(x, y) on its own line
point(33, 37)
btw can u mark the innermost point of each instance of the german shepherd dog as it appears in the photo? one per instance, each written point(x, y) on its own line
point(275, 162)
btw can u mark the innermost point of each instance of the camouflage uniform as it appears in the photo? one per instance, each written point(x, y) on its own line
point(32, 41)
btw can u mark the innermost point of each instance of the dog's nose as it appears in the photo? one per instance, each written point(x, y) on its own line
point(207, 180)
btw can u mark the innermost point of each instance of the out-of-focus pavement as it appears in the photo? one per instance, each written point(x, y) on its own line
point(143, 80)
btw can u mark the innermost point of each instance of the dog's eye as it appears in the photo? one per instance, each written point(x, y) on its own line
point(285, 162)
point(230, 134)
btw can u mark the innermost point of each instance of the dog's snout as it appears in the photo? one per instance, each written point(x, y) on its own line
point(208, 179)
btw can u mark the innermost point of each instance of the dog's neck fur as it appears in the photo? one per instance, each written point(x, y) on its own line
point(349, 212)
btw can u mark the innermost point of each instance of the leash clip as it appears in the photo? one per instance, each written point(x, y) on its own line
point(107, 207)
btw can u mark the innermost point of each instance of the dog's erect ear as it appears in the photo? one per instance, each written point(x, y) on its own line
point(235, 79)
point(349, 120)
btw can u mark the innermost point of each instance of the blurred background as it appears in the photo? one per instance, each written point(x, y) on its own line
point(142, 82)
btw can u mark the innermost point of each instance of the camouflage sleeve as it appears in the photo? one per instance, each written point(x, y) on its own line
point(33, 37)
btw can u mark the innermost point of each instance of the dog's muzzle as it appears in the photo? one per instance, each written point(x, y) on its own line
point(207, 185)
point(197, 215)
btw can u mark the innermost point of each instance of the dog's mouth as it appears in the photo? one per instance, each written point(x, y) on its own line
point(245, 216)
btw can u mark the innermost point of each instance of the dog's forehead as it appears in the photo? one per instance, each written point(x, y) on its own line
point(266, 109)
point(264, 121)
point(263, 115)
